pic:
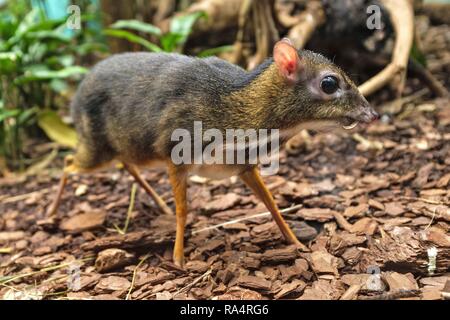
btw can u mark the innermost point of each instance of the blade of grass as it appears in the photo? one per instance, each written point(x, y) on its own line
point(132, 38)
point(137, 25)
point(133, 281)
point(130, 210)
point(6, 279)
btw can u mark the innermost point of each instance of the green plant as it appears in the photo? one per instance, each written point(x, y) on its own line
point(173, 41)
point(37, 62)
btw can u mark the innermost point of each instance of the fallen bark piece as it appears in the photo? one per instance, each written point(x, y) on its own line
point(446, 291)
point(422, 175)
point(364, 226)
point(323, 290)
point(254, 283)
point(295, 287)
point(397, 281)
point(111, 259)
point(303, 231)
point(316, 214)
point(280, 255)
point(366, 281)
point(197, 266)
point(130, 240)
point(393, 295)
point(84, 221)
point(296, 191)
point(222, 203)
point(238, 293)
point(211, 246)
point(87, 281)
point(112, 283)
point(402, 250)
point(351, 293)
point(436, 236)
point(356, 211)
point(431, 294)
point(323, 262)
point(8, 236)
point(394, 208)
point(340, 241)
point(376, 204)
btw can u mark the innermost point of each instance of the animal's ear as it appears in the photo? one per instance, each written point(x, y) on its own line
point(287, 60)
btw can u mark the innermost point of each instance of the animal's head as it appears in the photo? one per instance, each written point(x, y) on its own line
point(319, 90)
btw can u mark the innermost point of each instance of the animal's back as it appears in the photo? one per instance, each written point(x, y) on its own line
point(122, 106)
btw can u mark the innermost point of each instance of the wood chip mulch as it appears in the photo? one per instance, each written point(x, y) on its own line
point(373, 208)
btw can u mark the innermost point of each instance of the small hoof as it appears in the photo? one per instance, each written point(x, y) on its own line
point(179, 261)
point(51, 211)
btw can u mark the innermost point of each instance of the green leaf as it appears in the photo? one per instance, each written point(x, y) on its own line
point(183, 24)
point(170, 41)
point(13, 56)
point(40, 74)
point(132, 38)
point(66, 60)
point(48, 34)
point(418, 55)
point(5, 114)
point(180, 29)
point(89, 47)
point(26, 115)
point(29, 21)
point(9, 61)
point(33, 22)
point(215, 51)
point(137, 25)
point(56, 129)
point(58, 85)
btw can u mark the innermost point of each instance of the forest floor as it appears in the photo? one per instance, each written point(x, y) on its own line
point(368, 207)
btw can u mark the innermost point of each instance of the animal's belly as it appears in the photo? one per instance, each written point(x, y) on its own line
point(217, 171)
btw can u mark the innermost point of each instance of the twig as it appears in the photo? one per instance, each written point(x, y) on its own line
point(266, 33)
point(7, 279)
point(428, 79)
point(259, 215)
point(342, 222)
point(424, 200)
point(133, 281)
point(351, 293)
point(311, 18)
point(193, 283)
point(393, 295)
point(244, 12)
point(21, 197)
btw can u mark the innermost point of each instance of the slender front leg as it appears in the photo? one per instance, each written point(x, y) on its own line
point(178, 180)
point(133, 170)
point(254, 181)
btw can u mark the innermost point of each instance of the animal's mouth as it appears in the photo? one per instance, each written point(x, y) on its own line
point(349, 123)
point(367, 115)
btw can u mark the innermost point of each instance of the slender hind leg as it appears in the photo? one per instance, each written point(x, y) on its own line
point(254, 181)
point(152, 193)
point(69, 168)
point(178, 181)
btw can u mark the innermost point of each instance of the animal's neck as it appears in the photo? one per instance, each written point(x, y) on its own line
point(259, 101)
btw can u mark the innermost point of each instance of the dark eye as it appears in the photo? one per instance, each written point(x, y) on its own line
point(329, 84)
